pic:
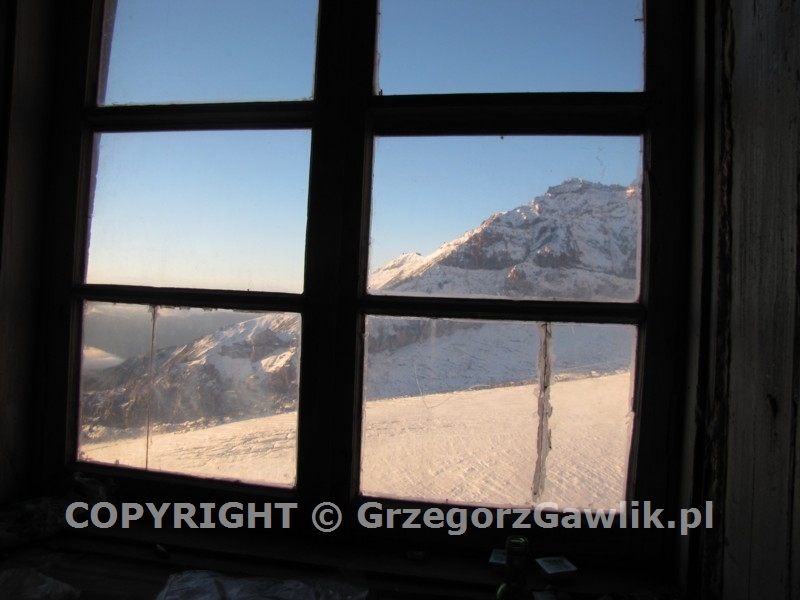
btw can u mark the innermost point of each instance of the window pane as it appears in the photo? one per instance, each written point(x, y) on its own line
point(590, 427)
point(200, 210)
point(217, 396)
point(203, 51)
point(510, 217)
point(466, 46)
point(452, 411)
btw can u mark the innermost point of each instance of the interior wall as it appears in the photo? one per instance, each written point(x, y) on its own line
point(25, 68)
point(760, 70)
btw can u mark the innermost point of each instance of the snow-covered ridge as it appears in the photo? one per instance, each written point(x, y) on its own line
point(246, 369)
point(578, 241)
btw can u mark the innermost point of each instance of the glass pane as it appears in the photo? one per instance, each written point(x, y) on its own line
point(590, 427)
point(469, 46)
point(552, 218)
point(216, 397)
point(204, 51)
point(452, 411)
point(211, 209)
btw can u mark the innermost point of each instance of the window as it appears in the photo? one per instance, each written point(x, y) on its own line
point(314, 289)
point(204, 211)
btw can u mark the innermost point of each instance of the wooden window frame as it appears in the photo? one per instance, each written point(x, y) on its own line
point(345, 116)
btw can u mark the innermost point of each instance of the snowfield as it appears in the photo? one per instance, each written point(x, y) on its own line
point(476, 446)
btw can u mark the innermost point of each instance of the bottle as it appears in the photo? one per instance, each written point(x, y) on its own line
point(516, 569)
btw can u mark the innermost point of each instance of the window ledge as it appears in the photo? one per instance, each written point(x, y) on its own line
point(106, 566)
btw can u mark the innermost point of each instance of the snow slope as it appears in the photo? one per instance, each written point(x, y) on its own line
point(474, 446)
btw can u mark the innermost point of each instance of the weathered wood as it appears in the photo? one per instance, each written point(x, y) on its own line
point(765, 87)
point(704, 579)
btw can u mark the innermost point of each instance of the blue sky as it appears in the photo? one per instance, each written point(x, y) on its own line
point(211, 51)
point(427, 191)
point(452, 46)
point(227, 209)
point(214, 209)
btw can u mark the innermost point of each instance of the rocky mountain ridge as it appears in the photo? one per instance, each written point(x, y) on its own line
point(578, 241)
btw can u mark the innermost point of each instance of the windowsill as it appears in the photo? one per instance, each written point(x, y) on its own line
point(105, 566)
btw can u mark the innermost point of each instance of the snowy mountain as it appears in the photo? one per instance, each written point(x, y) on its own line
point(579, 241)
point(246, 369)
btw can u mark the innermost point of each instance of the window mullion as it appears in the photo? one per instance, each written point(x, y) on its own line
point(574, 113)
point(506, 308)
point(202, 117)
point(329, 414)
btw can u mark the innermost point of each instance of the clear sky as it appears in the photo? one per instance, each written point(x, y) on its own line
point(211, 51)
point(227, 209)
point(215, 209)
point(452, 46)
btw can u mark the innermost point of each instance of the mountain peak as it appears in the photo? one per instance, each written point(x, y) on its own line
point(578, 241)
